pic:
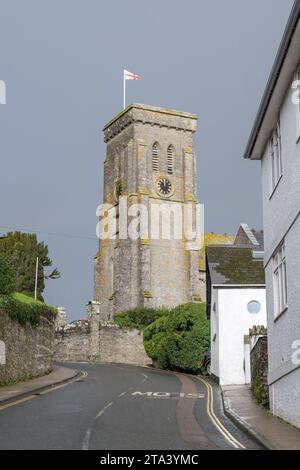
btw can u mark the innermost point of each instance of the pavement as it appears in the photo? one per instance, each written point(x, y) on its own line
point(271, 432)
point(58, 375)
point(121, 407)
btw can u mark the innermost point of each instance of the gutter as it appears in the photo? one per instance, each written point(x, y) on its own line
point(273, 79)
point(238, 286)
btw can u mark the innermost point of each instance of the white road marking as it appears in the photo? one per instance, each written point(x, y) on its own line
point(86, 440)
point(104, 409)
point(87, 437)
point(145, 378)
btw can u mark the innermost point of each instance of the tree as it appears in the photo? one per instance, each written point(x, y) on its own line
point(21, 251)
point(7, 279)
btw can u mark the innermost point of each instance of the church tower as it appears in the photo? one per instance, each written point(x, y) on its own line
point(150, 160)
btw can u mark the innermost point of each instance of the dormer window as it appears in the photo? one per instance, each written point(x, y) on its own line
point(155, 157)
point(170, 159)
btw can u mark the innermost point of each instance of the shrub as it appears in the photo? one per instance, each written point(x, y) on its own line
point(24, 309)
point(139, 317)
point(178, 341)
point(7, 280)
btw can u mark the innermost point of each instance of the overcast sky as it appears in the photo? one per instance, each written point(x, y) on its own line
point(62, 62)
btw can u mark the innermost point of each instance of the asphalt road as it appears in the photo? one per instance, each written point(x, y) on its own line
point(117, 407)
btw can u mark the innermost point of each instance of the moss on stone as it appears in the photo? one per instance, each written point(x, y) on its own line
point(236, 265)
point(213, 239)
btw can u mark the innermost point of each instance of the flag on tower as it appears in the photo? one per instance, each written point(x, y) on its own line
point(128, 76)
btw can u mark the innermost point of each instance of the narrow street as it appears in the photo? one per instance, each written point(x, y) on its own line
point(117, 407)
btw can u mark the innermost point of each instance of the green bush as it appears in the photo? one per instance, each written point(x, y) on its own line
point(7, 279)
point(178, 341)
point(24, 309)
point(139, 317)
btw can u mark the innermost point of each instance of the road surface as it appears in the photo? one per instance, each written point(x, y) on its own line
point(120, 407)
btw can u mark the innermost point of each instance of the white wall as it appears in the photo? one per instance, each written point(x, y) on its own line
point(232, 321)
point(282, 221)
point(214, 331)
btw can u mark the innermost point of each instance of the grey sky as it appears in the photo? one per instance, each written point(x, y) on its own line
point(62, 62)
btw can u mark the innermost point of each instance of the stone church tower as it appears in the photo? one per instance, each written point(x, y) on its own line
point(150, 159)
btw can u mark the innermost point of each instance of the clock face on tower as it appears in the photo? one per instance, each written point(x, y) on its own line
point(164, 186)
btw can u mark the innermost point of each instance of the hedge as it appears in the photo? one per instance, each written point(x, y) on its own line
point(140, 317)
point(179, 340)
point(25, 309)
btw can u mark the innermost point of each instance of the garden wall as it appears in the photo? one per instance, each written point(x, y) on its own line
point(93, 342)
point(259, 364)
point(26, 351)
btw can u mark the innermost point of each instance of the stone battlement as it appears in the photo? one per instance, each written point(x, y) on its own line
point(152, 115)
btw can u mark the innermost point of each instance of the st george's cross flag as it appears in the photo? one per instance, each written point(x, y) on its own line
point(130, 76)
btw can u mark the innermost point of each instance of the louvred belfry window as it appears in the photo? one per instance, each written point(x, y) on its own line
point(155, 157)
point(170, 159)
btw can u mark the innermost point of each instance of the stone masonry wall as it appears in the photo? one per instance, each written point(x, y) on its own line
point(109, 344)
point(122, 346)
point(72, 343)
point(28, 351)
point(259, 370)
point(150, 271)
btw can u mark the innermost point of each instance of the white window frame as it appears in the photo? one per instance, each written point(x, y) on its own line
point(297, 80)
point(280, 282)
point(275, 151)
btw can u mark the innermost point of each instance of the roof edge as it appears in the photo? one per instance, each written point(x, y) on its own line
point(273, 78)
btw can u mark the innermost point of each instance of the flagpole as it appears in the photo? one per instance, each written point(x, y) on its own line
point(36, 277)
point(124, 90)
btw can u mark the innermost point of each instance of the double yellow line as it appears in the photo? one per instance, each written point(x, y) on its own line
point(216, 422)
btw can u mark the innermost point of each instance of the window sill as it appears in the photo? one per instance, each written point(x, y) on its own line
point(281, 314)
point(276, 186)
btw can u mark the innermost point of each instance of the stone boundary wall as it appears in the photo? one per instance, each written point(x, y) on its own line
point(72, 343)
point(27, 352)
point(259, 364)
point(93, 342)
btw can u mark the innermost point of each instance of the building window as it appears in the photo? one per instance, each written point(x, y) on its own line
point(279, 281)
point(297, 78)
point(275, 153)
point(170, 159)
point(155, 157)
point(254, 307)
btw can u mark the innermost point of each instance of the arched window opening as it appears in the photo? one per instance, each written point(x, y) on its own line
point(155, 157)
point(170, 159)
